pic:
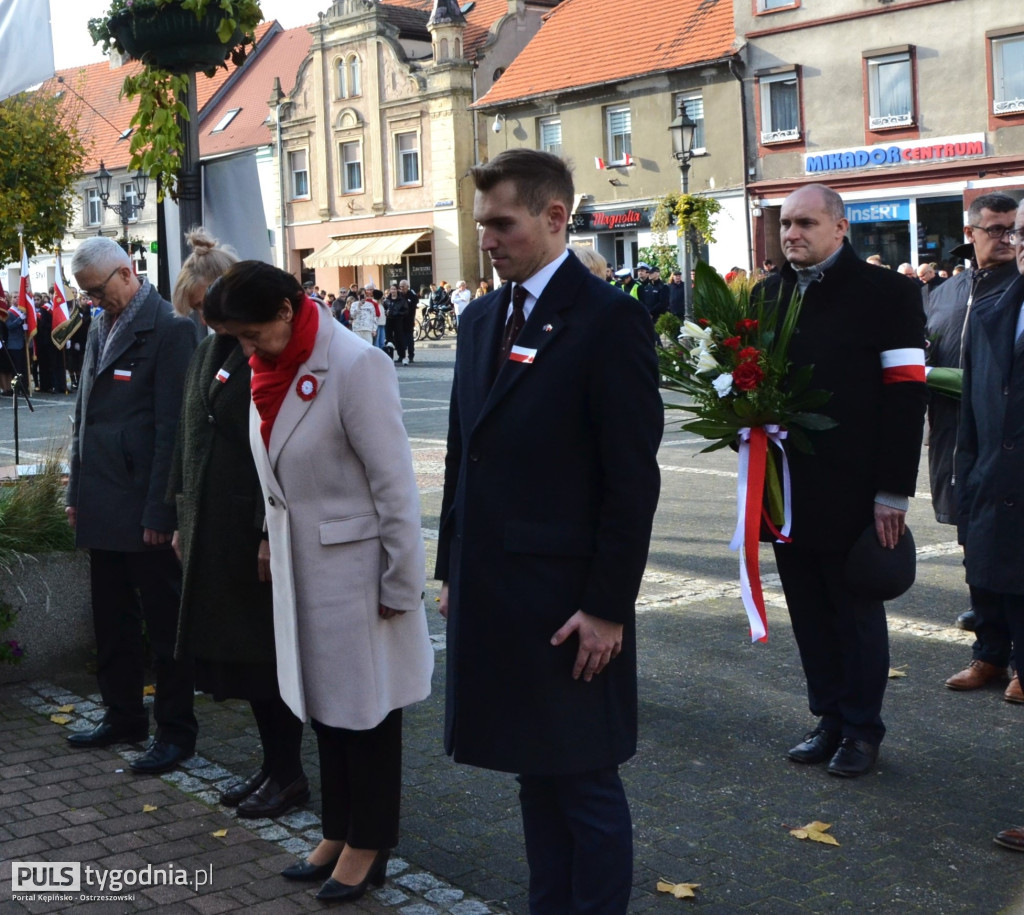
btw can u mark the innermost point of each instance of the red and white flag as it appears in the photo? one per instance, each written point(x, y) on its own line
point(61, 310)
point(598, 163)
point(25, 299)
point(628, 160)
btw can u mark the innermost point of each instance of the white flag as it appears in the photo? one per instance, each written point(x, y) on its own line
point(27, 44)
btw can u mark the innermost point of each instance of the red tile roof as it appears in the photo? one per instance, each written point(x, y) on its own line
point(279, 56)
point(109, 116)
point(591, 42)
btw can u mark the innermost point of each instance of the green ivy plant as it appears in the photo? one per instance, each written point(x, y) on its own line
point(694, 217)
point(157, 146)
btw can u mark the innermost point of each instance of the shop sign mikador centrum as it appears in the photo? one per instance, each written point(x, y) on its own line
point(909, 152)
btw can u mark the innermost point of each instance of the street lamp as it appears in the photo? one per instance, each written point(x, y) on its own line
point(683, 130)
point(127, 209)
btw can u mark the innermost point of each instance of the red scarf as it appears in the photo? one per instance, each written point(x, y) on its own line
point(271, 378)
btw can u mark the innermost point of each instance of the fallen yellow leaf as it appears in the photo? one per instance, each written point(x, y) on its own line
point(895, 672)
point(219, 834)
point(65, 708)
point(149, 690)
point(816, 832)
point(148, 808)
point(679, 890)
point(60, 719)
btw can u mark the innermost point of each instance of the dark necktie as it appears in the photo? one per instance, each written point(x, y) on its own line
point(514, 325)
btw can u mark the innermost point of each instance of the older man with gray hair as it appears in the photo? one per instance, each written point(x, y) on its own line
point(126, 418)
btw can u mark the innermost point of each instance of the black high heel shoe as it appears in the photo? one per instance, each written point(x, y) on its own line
point(333, 891)
point(306, 872)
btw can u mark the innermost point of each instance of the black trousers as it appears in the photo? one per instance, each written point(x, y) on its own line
point(361, 782)
point(843, 641)
point(992, 629)
point(127, 590)
point(1010, 608)
point(579, 843)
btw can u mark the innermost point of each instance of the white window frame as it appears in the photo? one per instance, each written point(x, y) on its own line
point(228, 117)
point(613, 121)
point(347, 187)
point(700, 140)
point(341, 75)
point(93, 208)
point(550, 126)
point(129, 195)
point(768, 6)
point(355, 79)
point(770, 134)
point(877, 121)
point(1000, 103)
point(404, 155)
point(294, 174)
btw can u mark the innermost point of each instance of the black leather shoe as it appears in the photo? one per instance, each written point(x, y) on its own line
point(271, 800)
point(853, 758)
point(240, 790)
point(160, 757)
point(967, 620)
point(105, 734)
point(306, 872)
point(816, 747)
point(332, 891)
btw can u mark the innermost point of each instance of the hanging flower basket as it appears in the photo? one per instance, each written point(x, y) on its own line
point(172, 38)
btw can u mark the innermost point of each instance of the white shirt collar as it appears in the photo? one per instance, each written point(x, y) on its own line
point(536, 284)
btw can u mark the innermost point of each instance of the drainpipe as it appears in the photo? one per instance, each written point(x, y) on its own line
point(476, 161)
point(277, 99)
point(746, 172)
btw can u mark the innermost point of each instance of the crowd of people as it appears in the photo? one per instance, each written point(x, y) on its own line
point(260, 572)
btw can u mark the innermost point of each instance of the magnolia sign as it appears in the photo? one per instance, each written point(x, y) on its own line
point(605, 220)
point(912, 152)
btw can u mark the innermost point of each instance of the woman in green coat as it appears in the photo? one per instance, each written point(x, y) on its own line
point(226, 620)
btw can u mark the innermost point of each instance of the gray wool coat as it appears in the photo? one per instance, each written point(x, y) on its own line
point(343, 514)
point(126, 418)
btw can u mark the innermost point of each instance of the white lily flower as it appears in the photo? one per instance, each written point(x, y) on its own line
point(723, 384)
point(706, 363)
point(697, 332)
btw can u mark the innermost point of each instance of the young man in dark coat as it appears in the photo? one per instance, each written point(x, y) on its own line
point(990, 463)
point(126, 417)
point(551, 482)
point(863, 331)
point(993, 269)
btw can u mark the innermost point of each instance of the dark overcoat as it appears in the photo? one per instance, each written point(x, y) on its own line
point(990, 447)
point(226, 612)
point(125, 426)
point(850, 317)
point(946, 310)
point(551, 482)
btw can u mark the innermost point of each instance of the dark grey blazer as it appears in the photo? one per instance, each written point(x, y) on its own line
point(126, 416)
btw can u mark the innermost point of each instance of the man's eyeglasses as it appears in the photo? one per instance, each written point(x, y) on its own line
point(1016, 237)
point(995, 232)
point(97, 293)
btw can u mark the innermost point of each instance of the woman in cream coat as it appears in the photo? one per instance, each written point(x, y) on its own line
point(346, 556)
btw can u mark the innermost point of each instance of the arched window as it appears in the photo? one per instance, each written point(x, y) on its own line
point(458, 48)
point(444, 49)
point(354, 81)
point(342, 79)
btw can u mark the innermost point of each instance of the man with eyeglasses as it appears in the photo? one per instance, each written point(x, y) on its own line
point(990, 218)
point(990, 462)
point(126, 418)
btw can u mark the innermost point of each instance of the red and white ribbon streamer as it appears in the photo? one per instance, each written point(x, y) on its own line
point(753, 459)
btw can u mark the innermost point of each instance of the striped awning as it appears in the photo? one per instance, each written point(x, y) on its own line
point(364, 250)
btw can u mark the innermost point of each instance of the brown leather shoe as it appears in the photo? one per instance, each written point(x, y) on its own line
point(1011, 838)
point(1013, 692)
point(978, 674)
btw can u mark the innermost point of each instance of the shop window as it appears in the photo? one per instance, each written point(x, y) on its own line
point(550, 133)
point(352, 167)
point(780, 107)
point(890, 90)
point(693, 103)
point(619, 124)
point(298, 166)
point(407, 156)
point(1008, 74)
point(93, 208)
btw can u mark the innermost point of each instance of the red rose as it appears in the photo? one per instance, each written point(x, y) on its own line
point(732, 342)
point(749, 354)
point(747, 376)
point(703, 322)
point(746, 325)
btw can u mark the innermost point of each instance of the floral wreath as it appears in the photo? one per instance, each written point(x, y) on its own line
point(306, 387)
